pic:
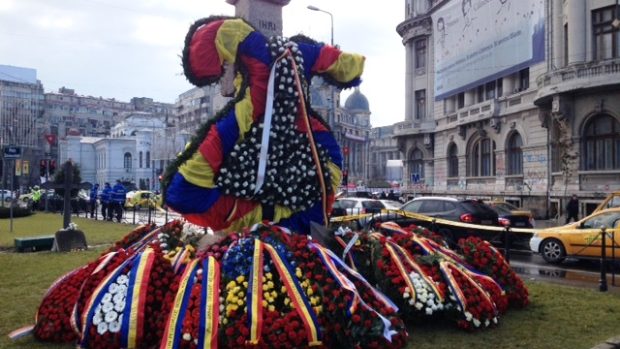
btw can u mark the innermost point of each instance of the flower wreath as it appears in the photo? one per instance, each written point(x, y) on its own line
point(267, 155)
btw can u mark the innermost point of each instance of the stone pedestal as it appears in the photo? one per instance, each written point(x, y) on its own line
point(264, 15)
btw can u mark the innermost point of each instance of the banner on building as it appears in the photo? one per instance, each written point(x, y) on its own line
point(26, 167)
point(478, 41)
point(18, 167)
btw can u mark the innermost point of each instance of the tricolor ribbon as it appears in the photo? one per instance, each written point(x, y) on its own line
point(447, 268)
point(416, 268)
point(297, 296)
point(210, 304)
point(255, 293)
point(264, 145)
point(326, 254)
point(179, 258)
point(401, 269)
point(94, 300)
point(174, 326)
point(133, 315)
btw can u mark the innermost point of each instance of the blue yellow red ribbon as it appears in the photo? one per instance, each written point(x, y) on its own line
point(416, 267)
point(133, 315)
point(255, 294)
point(89, 310)
point(174, 326)
point(210, 303)
point(297, 296)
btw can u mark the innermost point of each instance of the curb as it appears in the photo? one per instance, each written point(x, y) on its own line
point(611, 343)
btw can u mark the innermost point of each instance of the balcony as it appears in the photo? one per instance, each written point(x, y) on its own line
point(577, 77)
point(414, 127)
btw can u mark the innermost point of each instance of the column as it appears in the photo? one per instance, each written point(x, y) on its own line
point(469, 97)
point(409, 76)
point(508, 84)
point(576, 31)
point(557, 34)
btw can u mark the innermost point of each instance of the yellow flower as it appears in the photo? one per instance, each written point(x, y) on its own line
point(230, 285)
point(309, 291)
point(240, 302)
point(245, 284)
point(265, 304)
point(269, 276)
point(271, 308)
point(298, 273)
point(240, 278)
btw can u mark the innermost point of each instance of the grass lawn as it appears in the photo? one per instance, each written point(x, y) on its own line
point(97, 232)
point(558, 316)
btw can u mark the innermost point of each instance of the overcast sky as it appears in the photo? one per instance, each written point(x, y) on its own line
point(123, 49)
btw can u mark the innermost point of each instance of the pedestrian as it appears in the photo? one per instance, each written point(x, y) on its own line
point(572, 209)
point(94, 192)
point(36, 197)
point(118, 200)
point(105, 201)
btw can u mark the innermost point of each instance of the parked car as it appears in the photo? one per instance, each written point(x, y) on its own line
point(7, 194)
point(142, 198)
point(458, 210)
point(511, 215)
point(581, 239)
point(391, 204)
point(355, 206)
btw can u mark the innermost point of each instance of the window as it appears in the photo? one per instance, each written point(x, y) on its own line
point(453, 161)
point(524, 79)
point(460, 100)
point(514, 155)
point(490, 90)
point(140, 160)
point(500, 87)
point(606, 37)
point(566, 44)
point(481, 159)
point(480, 93)
point(420, 54)
point(420, 104)
point(602, 144)
point(148, 159)
point(127, 161)
point(417, 163)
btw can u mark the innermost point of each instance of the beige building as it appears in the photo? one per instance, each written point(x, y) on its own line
point(512, 100)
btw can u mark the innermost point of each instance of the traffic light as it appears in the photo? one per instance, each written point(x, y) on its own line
point(345, 177)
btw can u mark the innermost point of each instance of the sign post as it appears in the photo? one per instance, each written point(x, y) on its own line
point(12, 153)
point(415, 178)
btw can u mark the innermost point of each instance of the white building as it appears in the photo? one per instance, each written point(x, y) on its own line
point(137, 151)
point(512, 99)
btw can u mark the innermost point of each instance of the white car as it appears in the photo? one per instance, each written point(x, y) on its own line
point(391, 204)
point(354, 206)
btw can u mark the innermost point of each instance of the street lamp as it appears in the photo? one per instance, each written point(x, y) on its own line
point(314, 8)
point(332, 117)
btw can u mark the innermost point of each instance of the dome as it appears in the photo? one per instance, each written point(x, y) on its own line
point(357, 101)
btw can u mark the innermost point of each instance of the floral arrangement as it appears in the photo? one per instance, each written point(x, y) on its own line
point(481, 255)
point(53, 318)
point(134, 238)
point(414, 267)
point(126, 308)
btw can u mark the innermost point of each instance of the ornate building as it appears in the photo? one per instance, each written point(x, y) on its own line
point(512, 99)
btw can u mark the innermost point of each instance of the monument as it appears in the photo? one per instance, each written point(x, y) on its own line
point(264, 15)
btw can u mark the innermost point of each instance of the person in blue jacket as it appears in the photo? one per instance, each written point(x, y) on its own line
point(105, 197)
point(117, 200)
point(94, 191)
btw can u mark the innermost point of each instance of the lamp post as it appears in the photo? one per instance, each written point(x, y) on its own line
point(332, 115)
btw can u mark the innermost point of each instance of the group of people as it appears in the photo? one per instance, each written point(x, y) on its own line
point(112, 200)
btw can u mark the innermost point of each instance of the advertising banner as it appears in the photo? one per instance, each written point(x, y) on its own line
point(477, 41)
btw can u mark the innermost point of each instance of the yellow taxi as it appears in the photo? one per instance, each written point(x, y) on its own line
point(612, 200)
point(142, 198)
point(582, 239)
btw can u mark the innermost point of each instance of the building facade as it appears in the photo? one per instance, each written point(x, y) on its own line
point(384, 164)
point(512, 100)
point(21, 107)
